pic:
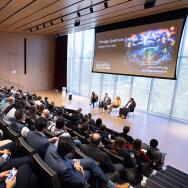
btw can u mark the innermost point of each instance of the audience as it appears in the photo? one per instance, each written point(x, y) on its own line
point(76, 173)
point(36, 123)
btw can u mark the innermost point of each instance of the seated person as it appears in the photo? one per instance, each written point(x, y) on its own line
point(7, 105)
point(115, 104)
point(37, 139)
point(75, 173)
point(84, 129)
point(125, 135)
point(58, 128)
point(31, 117)
point(119, 148)
point(142, 160)
point(23, 179)
point(129, 107)
point(153, 152)
point(98, 123)
point(105, 102)
point(40, 109)
point(93, 150)
point(19, 125)
point(94, 98)
point(106, 137)
point(91, 123)
point(46, 102)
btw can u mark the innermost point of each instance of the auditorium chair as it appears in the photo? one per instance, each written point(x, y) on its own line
point(12, 135)
point(24, 147)
point(3, 127)
point(48, 178)
point(80, 137)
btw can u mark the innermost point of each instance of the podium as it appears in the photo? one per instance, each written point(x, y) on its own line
point(64, 90)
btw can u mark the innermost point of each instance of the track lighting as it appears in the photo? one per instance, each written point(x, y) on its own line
point(77, 22)
point(78, 13)
point(106, 4)
point(91, 9)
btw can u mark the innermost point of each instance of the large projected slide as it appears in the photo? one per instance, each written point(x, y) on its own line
point(148, 50)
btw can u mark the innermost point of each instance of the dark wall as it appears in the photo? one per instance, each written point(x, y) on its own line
point(61, 62)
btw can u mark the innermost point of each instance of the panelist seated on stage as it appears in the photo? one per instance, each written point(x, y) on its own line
point(105, 102)
point(93, 99)
point(129, 107)
point(115, 104)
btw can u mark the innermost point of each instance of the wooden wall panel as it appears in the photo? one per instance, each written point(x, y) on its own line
point(40, 60)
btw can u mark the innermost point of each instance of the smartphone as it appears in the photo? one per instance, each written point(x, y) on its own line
point(11, 175)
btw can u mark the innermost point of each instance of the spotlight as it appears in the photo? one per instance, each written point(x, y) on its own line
point(78, 13)
point(149, 4)
point(44, 25)
point(106, 4)
point(37, 28)
point(91, 9)
point(77, 22)
point(51, 23)
point(62, 19)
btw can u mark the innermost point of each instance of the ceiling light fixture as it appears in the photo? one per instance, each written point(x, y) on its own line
point(77, 22)
point(51, 23)
point(78, 13)
point(149, 4)
point(62, 19)
point(91, 9)
point(106, 4)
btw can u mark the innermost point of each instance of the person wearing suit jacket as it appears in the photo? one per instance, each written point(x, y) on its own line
point(75, 173)
point(105, 102)
point(93, 99)
point(37, 139)
point(93, 150)
point(129, 107)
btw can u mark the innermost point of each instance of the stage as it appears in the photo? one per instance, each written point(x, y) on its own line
point(171, 134)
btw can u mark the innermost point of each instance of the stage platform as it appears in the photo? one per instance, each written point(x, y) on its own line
point(171, 134)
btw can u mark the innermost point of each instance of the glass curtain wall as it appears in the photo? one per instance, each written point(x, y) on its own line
point(165, 97)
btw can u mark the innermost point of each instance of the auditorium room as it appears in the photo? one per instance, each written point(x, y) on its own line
point(93, 93)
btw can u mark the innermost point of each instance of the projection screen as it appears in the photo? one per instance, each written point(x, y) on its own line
point(149, 50)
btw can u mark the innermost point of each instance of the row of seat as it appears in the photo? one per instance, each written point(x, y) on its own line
point(48, 178)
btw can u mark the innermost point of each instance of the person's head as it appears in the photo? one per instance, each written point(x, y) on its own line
point(32, 111)
point(153, 143)
point(98, 122)
point(118, 98)
point(93, 93)
point(60, 112)
point(119, 143)
point(12, 87)
point(52, 104)
point(19, 115)
point(106, 94)
point(41, 124)
point(126, 129)
point(95, 139)
point(60, 123)
point(84, 127)
point(45, 98)
point(102, 127)
point(65, 146)
point(79, 110)
point(41, 108)
point(89, 115)
point(86, 117)
point(39, 98)
point(137, 144)
point(45, 113)
point(11, 100)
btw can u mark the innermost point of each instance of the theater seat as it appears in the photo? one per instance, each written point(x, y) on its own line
point(24, 147)
point(3, 127)
point(12, 134)
point(48, 178)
